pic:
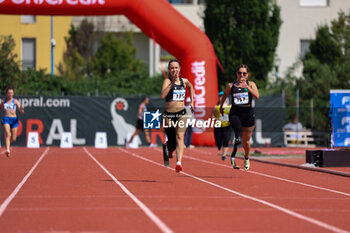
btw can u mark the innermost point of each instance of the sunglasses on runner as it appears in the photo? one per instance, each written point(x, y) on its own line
point(242, 73)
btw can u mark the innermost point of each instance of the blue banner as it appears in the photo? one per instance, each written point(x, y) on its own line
point(340, 115)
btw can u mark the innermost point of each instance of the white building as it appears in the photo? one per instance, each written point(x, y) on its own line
point(300, 21)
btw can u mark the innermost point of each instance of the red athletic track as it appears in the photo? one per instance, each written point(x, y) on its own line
point(129, 190)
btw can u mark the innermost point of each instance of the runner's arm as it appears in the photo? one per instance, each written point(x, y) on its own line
point(190, 87)
point(165, 88)
point(19, 106)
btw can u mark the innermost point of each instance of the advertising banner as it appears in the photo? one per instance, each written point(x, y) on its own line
point(340, 114)
point(84, 117)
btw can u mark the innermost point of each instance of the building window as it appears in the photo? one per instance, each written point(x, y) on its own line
point(304, 47)
point(28, 54)
point(314, 3)
point(29, 19)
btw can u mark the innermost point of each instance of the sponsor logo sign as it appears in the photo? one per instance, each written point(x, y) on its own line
point(151, 120)
point(57, 2)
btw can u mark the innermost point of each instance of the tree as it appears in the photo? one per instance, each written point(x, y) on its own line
point(115, 55)
point(113, 69)
point(326, 66)
point(112, 56)
point(31, 82)
point(244, 32)
point(9, 67)
point(77, 57)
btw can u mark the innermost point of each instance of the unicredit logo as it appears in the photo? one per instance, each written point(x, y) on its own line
point(58, 2)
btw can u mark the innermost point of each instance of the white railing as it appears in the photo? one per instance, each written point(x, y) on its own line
point(303, 138)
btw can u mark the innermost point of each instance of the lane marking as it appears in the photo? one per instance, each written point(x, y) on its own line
point(282, 209)
point(271, 176)
point(159, 223)
point(285, 197)
point(266, 175)
point(168, 209)
point(138, 209)
point(19, 186)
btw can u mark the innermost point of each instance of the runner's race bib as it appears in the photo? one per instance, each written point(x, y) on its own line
point(179, 95)
point(241, 98)
point(224, 117)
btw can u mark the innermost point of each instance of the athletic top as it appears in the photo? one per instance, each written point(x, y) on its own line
point(9, 106)
point(144, 109)
point(223, 118)
point(241, 97)
point(177, 92)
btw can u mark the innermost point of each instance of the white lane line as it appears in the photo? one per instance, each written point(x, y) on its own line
point(19, 186)
point(159, 223)
point(181, 208)
point(282, 209)
point(138, 209)
point(173, 196)
point(270, 176)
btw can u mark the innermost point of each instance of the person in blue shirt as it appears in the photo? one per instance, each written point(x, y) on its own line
point(10, 119)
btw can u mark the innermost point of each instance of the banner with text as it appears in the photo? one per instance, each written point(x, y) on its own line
point(340, 114)
point(116, 116)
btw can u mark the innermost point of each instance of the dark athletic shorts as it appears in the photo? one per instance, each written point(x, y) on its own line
point(174, 116)
point(245, 114)
point(139, 124)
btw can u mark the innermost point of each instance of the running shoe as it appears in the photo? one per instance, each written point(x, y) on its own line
point(246, 164)
point(178, 167)
point(7, 153)
point(233, 163)
point(223, 157)
point(165, 155)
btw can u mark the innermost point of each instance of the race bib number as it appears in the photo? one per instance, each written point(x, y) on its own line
point(241, 98)
point(224, 117)
point(179, 95)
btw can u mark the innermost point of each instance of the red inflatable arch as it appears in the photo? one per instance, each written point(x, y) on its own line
point(160, 21)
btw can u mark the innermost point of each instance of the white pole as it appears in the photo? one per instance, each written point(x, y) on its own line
point(297, 114)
